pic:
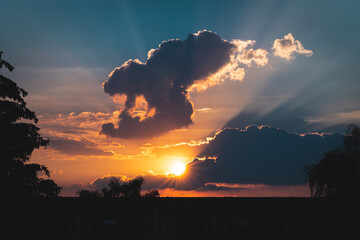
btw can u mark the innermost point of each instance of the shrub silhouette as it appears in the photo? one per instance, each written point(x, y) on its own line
point(17, 141)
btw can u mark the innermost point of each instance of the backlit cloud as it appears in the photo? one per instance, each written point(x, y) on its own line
point(288, 46)
point(247, 54)
point(256, 155)
point(77, 134)
point(245, 160)
point(156, 93)
point(263, 155)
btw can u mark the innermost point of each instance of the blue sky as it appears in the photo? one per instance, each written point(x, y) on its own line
point(97, 33)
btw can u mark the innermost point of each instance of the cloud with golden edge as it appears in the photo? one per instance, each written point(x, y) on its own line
point(155, 95)
point(288, 46)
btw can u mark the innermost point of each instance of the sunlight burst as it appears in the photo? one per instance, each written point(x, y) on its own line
point(178, 168)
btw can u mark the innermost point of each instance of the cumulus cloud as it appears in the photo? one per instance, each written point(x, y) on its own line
point(247, 54)
point(257, 155)
point(263, 155)
point(288, 46)
point(157, 92)
point(245, 160)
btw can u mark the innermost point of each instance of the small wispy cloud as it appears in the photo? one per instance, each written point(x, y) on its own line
point(335, 118)
point(204, 109)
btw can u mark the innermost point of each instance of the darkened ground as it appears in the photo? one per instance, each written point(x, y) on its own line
point(180, 218)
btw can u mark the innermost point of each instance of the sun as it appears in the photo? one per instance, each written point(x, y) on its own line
point(178, 168)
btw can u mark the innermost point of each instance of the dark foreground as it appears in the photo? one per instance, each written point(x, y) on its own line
point(180, 218)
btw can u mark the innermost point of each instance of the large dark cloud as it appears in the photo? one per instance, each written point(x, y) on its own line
point(262, 155)
point(257, 155)
point(164, 81)
point(242, 159)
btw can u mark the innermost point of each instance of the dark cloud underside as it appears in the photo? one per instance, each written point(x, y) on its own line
point(239, 159)
point(163, 81)
point(262, 155)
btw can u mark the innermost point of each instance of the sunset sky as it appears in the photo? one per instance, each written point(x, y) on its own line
point(241, 95)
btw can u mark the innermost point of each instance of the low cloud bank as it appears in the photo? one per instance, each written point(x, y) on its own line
point(245, 160)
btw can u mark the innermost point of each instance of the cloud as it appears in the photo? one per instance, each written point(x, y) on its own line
point(214, 191)
point(70, 89)
point(255, 191)
point(157, 91)
point(284, 116)
point(204, 109)
point(163, 82)
point(299, 115)
point(245, 160)
point(333, 119)
point(255, 155)
point(75, 122)
point(247, 54)
point(73, 147)
point(262, 155)
point(286, 47)
point(230, 186)
point(76, 134)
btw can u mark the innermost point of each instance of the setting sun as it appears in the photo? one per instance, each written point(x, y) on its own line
point(178, 168)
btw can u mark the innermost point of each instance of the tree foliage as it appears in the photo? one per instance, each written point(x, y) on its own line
point(18, 139)
point(117, 189)
point(153, 193)
point(338, 173)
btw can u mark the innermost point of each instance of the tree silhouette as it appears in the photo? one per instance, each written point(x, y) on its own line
point(117, 189)
point(132, 188)
point(17, 142)
point(153, 193)
point(338, 173)
point(88, 194)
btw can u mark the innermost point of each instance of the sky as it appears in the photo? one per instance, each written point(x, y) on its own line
point(244, 94)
